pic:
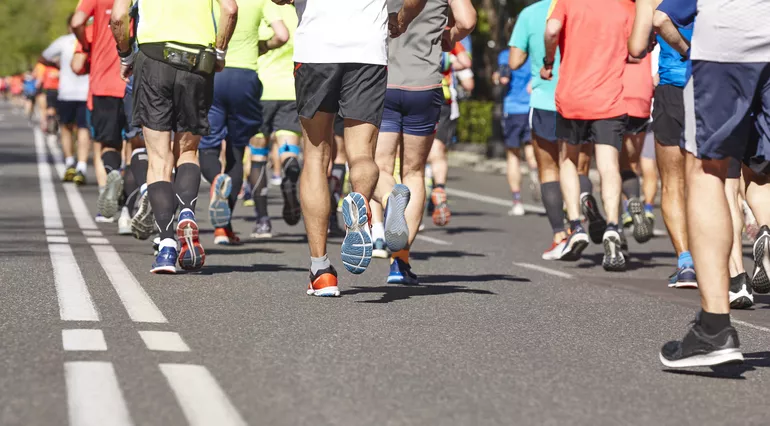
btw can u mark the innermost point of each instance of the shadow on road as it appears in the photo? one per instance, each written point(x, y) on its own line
point(453, 254)
point(392, 293)
point(480, 278)
point(631, 264)
point(752, 361)
point(262, 267)
point(240, 250)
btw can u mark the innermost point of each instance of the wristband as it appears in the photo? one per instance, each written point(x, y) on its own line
point(547, 63)
point(128, 60)
point(221, 53)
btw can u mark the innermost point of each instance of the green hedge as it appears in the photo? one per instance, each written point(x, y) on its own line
point(475, 122)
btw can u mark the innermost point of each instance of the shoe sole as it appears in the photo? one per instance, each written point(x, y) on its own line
point(222, 241)
point(357, 245)
point(143, 222)
point(191, 255)
point(79, 182)
point(292, 211)
point(380, 254)
point(396, 228)
point(441, 214)
point(69, 177)
point(219, 207)
point(332, 291)
point(723, 356)
point(125, 230)
point(596, 223)
point(261, 236)
point(614, 261)
point(554, 254)
point(164, 270)
point(686, 284)
point(760, 282)
point(642, 228)
point(401, 280)
point(575, 249)
point(107, 203)
point(741, 299)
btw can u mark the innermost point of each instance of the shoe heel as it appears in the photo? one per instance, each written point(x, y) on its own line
point(396, 228)
point(357, 246)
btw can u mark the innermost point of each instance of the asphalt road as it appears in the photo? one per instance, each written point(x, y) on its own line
point(493, 336)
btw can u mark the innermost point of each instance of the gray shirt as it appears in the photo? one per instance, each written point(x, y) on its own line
point(732, 31)
point(72, 87)
point(414, 58)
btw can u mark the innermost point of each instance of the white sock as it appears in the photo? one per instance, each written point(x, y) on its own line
point(82, 167)
point(69, 162)
point(319, 263)
point(167, 242)
point(378, 231)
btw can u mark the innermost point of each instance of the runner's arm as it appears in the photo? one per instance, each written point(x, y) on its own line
point(464, 19)
point(78, 63)
point(227, 20)
point(279, 38)
point(552, 32)
point(78, 25)
point(120, 23)
point(409, 11)
point(639, 41)
point(517, 58)
point(668, 31)
point(51, 54)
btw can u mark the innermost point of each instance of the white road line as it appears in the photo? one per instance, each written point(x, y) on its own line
point(92, 233)
point(97, 240)
point(136, 301)
point(79, 209)
point(203, 401)
point(53, 146)
point(57, 240)
point(492, 200)
point(750, 325)
point(544, 270)
point(54, 232)
point(433, 240)
point(83, 340)
point(75, 303)
point(51, 212)
point(94, 397)
point(167, 341)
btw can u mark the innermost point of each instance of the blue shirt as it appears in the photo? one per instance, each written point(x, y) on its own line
point(516, 98)
point(529, 36)
point(29, 86)
point(681, 12)
point(671, 69)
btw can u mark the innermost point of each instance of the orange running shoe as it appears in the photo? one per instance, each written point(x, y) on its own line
point(441, 213)
point(324, 283)
point(225, 237)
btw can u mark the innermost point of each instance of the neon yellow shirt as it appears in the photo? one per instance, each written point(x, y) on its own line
point(181, 21)
point(243, 52)
point(276, 67)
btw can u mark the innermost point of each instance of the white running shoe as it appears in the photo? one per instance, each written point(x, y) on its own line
point(517, 210)
point(124, 222)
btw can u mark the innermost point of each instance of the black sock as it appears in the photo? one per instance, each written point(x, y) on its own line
point(130, 191)
point(553, 202)
point(631, 186)
point(574, 224)
point(186, 185)
point(291, 168)
point(439, 186)
point(111, 160)
point(586, 186)
point(210, 164)
point(612, 226)
point(163, 202)
point(714, 323)
point(139, 167)
point(258, 181)
point(234, 169)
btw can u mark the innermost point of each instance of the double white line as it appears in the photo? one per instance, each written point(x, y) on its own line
point(94, 397)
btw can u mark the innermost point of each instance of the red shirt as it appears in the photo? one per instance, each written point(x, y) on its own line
point(79, 49)
point(638, 86)
point(593, 58)
point(105, 65)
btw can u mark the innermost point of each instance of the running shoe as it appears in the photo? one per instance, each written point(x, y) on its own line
point(623, 242)
point(613, 254)
point(191, 255)
point(396, 229)
point(219, 207)
point(107, 203)
point(165, 261)
point(357, 245)
point(69, 174)
point(642, 226)
point(380, 250)
point(741, 296)
point(101, 219)
point(226, 237)
point(155, 246)
point(517, 209)
point(292, 212)
point(556, 250)
point(534, 186)
point(761, 282)
point(683, 277)
point(124, 222)
point(441, 214)
point(576, 242)
point(401, 273)
point(245, 195)
point(276, 180)
point(626, 220)
point(596, 223)
point(79, 179)
point(699, 349)
point(324, 283)
point(263, 229)
point(143, 222)
point(650, 216)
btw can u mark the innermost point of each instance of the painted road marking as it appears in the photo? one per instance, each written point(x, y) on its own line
point(83, 340)
point(492, 200)
point(433, 240)
point(750, 325)
point(55, 232)
point(57, 240)
point(92, 233)
point(94, 397)
point(544, 270)
point(51, 212)
point(97, 240)
point(136, 301)
point(167, 341)
point(75, 303)
point(203, 401)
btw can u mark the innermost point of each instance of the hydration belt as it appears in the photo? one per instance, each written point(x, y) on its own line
point(197, 59)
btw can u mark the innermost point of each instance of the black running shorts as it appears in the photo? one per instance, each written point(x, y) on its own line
point(607, 131)
point(636, 125)
point(108, 120)
point(355, 91)
point(279, 115)
point(668, 115)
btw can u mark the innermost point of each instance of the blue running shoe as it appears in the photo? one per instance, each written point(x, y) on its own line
point(577, 241)
point(165, 261)
point(380, 250)
point(683, 277)
point(357, 245)
point(191, 254)
point(401, 273)
point(396, 229)
point(219, 209)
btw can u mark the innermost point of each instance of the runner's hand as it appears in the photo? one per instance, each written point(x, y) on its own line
point(447, 44)
point(220, 65)
point(546, 73)
point(126, 71)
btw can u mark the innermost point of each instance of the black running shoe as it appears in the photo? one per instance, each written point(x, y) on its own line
point(614, 260)
point(643, 227)
point(596, 223)
point(292, 212)
point(699, 349)
point(761, 280)
point(741, 296)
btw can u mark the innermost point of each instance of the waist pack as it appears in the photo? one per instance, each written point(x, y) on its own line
point(201, 60)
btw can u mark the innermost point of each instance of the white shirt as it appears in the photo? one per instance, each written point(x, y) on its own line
point(341, 31)
point(732, 31)
point(72, 87)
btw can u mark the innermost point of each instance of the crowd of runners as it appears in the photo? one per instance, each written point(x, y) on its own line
point(352, 110)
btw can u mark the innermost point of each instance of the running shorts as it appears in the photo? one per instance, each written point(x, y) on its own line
point(516, 131)
point(339, 126)
point(668, 115)
point(73, 112)
point(52, 98)
point(543, 124)
point(280, 115)
point(236, 113)
point(607, 131)
point(108, 120)
point(446, 126)
point(131, 131)
point(636, 125)
point(410, 112)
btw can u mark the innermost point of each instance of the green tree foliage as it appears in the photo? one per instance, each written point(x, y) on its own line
point(27, 27)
